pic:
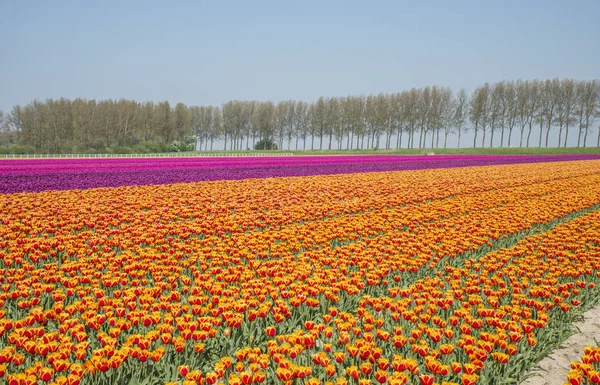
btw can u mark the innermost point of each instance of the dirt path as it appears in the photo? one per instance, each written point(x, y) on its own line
point(553, 369)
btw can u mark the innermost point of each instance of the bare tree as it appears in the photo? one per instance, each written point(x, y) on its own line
point(597, 113)
point(549, 102)
point(302, 122)
point(411, 114)
point(391, 125)
point(357, 119)
point(497, 110)
point(3, 122)
point(81, 125)
point(447, 114)
point(370, 119)
point(580, 108)
point(461, 112)
point(265, 119)
point(291, 121)
point(217, 126)
point(433, 120)
point(280, 122)
point(333, 120)
point(423, 108)
point(202, 121)
point(566, 108)
point(533, 105)
point(7, 136)
point(523, 89)
point(510, 103)
point(397, 117)
point(381, 118)
point(591, 106)
point(346, 119)
point(480, 111)
point(319, 119)
point(181, 117)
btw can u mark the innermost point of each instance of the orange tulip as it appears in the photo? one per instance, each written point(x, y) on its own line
point(353, 372)
point(45, 374)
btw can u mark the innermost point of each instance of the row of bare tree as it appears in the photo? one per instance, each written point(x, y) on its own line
point(420, 117)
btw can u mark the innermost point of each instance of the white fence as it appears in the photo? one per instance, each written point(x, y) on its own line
point(159, 155)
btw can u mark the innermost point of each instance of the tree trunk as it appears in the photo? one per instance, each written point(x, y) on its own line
point(475, 137)
point(432, 137)
point(459, 131)
point(541, 133)
point(348, 140)
point(510, 130)
point(483, 131)
point(529, 134)
point(522, 132)
point(280, 147)
point(445, 138)
point(491, 138)
point(502, 137)
point(566, 133)
point(560, 130)
point(321, 141)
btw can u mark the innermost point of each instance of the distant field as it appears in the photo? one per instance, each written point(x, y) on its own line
point(424, 151)
point(404, 151)
point(19, 175)
point(460, 151)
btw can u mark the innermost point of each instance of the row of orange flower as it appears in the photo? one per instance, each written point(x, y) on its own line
point(174, 274)
point(587, 369)
point(480, 321)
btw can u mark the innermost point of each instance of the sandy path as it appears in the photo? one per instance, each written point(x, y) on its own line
point(553, 369)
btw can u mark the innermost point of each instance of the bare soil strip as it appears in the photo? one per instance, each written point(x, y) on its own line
point(553, 369)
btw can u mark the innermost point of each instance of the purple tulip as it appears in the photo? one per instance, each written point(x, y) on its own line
point(33, 175)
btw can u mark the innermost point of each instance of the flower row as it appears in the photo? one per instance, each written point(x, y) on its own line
point(291, 274)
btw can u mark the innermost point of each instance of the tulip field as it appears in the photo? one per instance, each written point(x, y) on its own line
point(586, 371)
point(302, 270)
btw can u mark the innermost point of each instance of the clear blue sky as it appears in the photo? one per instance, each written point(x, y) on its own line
point(200, 52)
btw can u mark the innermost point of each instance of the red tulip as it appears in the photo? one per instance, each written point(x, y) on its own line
point(426, 379)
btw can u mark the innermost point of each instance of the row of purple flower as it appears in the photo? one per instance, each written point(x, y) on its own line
point(66, 174)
